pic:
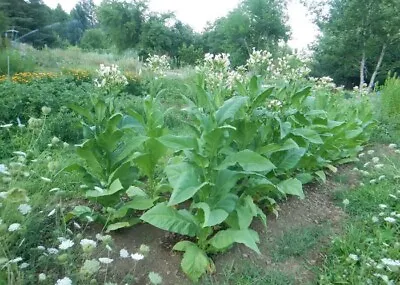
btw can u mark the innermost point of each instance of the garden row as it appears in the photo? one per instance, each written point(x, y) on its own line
point(244, 153)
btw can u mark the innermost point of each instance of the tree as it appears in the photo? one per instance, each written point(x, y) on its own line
point(356, 35)
point(94, 39)
point(83, 17)
point(259, 24)
point(123, 21)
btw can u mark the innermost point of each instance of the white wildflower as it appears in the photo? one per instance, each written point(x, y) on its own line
point(64, 281)
point(370, 152)
point(24, 265)
point(137, 256)
point(366, 164)
point(379, 166)
point(16, 260)
point(123, 253)
point(52, 250)
point(66, 244)
point(382, 177)
point(41, 247)
point(45, 179)
point(4, 169)
point(106, 260)
point(346, 202)
point(3, 195)
point(354, 257)
point(88, 245)
point(390, 220)
point(24, 209)
point(375, 219)
point(155, 278)
point(375, 159)
point(383, 206)
point(361, 155)
point(393, 146)
point(42, 277)
point(372, 181)
point(14, 227)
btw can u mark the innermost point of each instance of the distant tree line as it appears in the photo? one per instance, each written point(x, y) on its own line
point(123, 25)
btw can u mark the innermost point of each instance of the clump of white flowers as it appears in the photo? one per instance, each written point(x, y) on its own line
point(158, 64)
point(325, 82)
point(110, 77)
point(287, 67)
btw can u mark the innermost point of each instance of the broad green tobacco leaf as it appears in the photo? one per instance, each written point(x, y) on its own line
point(179, 142)
point(230, 108)
point(113, 189)
point(195, 262)
point(321, 174)
point(184, 179)
point(292, 186)
point(310, 135)
point(249, 161)
point(169, 219)
point(121, 225)
point(212, 217)
point(224, 239)
point(78, 211)
point(291, 158)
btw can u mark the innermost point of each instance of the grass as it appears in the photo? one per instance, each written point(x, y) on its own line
point(250, 274)
point(371, 237)
point(297, 242)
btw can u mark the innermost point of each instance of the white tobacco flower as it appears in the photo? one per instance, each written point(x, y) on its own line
point(64, 281)
point(66, 244)
point(24, 209)
point(137, 256)
point(123, 253)
point(14, 227)
point(106, 260)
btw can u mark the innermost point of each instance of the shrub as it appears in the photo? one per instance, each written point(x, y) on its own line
point(390, 101)
point(18, 62)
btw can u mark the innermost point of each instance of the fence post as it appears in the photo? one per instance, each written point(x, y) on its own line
point(8, 67)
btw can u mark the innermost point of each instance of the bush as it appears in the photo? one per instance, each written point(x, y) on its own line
point(93, 40)
point(390, 102)
point(18, 62)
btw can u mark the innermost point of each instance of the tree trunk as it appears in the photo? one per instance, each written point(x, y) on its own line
point(362, 67)
point(378, 66)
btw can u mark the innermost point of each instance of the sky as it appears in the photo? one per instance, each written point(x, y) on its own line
point(197, 13)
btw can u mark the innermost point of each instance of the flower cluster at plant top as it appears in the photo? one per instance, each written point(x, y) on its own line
point(110, 77)
point(325, 82)
point(363, 91)
point(157, 64)
point(218, 73)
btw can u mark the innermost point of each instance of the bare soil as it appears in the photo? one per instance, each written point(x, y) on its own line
point(317, 209)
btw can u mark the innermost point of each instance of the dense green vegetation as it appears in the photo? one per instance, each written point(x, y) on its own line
point(114, 166)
